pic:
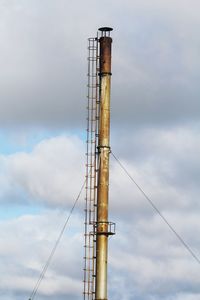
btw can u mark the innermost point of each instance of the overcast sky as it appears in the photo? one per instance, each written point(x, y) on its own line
point(155, 133)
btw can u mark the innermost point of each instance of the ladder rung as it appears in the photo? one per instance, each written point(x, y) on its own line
point(91, 109)
point(89, 258)
point(91, 142)
point(92, 75)
point(94, 97)
point(90, 270)
point(92, 86)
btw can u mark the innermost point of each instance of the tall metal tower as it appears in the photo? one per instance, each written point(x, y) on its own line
point(97, 226)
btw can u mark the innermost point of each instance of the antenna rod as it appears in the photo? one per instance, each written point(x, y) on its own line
point(103, 227)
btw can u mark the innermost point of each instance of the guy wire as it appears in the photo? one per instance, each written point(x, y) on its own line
point(178, 236)
point(32, 295)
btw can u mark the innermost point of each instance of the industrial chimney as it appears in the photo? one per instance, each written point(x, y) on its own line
point(97, 226)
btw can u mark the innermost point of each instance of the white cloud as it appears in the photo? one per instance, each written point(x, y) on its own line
point(26, 243)
point(152, 254)
point(51, 173)
point(155, 95)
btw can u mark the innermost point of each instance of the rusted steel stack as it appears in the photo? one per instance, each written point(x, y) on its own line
point(96, 254)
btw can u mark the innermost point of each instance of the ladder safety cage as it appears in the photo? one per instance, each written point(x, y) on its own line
point(91, 169)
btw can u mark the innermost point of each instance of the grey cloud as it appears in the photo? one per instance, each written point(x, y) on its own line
point(43, 62)
point(145, 260)
point(171, 152)
point(31, 242)
point(155, 84)
point(152, 265)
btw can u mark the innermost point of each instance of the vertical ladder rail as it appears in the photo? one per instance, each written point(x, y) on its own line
point(91, 170)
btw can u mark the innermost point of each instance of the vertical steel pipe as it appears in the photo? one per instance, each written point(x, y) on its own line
point(102, 233)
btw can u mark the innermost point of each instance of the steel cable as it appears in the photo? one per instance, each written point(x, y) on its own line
point(34, 292)
point(178, 236)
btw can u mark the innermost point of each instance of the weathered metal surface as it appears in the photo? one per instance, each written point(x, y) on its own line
point(105, 54)
point(103, 174)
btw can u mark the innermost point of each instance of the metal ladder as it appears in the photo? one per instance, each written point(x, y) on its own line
point(91, 170)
